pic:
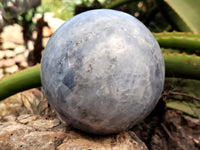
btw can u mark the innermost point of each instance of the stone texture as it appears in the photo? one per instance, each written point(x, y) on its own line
point(23, 64)
point(54, 23)
point(2, 54)
point(37, 17)
point(8, 45)
point(9, 53)
point(34, 35)
point(23, 103)
point(47, 32)
point(16, 135)
point(122, 141)
point(1, 73)
point(19, 50)
point(19, 130)
point(12, 69)
point(35, 132)
point(45, 41)
point(30, 45)
point(13, 34)
point(19, 58)
point(7, 63)
point(1, 63)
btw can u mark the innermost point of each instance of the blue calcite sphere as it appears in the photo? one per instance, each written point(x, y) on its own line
point(102, 71)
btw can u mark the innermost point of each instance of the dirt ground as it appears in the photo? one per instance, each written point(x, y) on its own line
point(167, 129)
point(163, 129)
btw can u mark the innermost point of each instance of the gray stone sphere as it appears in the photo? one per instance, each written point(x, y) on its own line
point(102, 71)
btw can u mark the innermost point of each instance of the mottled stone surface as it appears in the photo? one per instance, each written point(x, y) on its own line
point(103, 71)
point(53, 22)
point(7, 62)
point(2, 54)
point(12, 69)
point(9, 53)
point(13, 34)
point(32, 132)
point(19, 50)
point(26, 102)
point(1, 72)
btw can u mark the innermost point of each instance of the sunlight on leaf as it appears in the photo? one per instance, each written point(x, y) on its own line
point(183, 13)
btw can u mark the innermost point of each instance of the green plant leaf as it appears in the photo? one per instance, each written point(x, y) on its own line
point(188, 107)
point(182, 65)
point(184, 14)
point(20, 81)
point(179, 40)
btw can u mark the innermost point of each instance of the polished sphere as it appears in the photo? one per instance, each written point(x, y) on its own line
point(102, 71)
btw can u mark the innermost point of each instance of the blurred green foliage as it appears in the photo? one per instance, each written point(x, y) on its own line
point(64, 9)
point(183, 14)
point(145, 10)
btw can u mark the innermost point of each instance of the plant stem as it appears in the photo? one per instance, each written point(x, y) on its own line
point(20, 81)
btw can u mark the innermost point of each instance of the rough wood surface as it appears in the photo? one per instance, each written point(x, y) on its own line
point(35, 132)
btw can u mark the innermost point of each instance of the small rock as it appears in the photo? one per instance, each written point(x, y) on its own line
point(1, 63)
point(1, 73)
point(26, 53)
point(47, 32)
point(48, 16)
point(45, 41)
point(20, 58)
point(20, 103)
point(43, 124)
point(13, 33)
point(9, 118)
point(11, 69)
point(19, 50)
point(36, 17)
point(7, 63)
point(54, 23)
point(34, 35)
point(2, 54)
point(8, 45)
point(30, 45)
point(25, 118)
point(23, 64)
point(9, 53)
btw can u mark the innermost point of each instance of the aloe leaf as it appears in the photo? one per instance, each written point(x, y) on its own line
point(182, 94)
point(20, 81)
point(179, 40)
point(187, 86)
point(182, 65)
point(190, 107)
point(184, 14)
